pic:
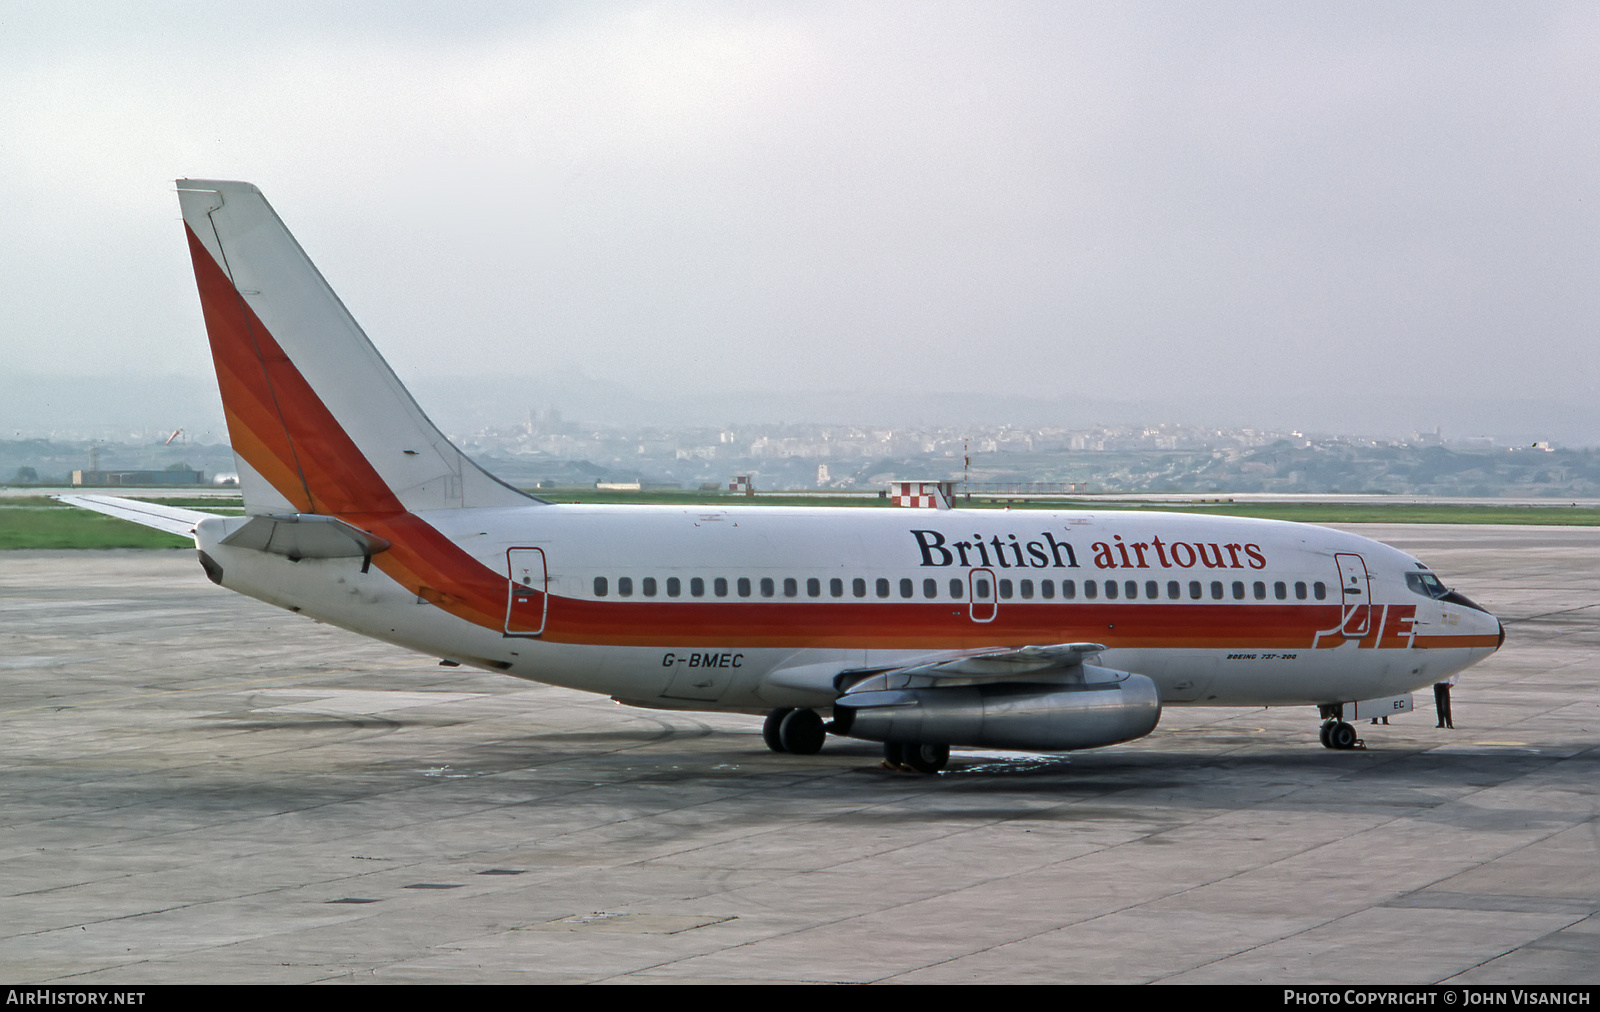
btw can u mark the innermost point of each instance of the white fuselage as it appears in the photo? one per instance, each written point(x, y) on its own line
point(751, 608)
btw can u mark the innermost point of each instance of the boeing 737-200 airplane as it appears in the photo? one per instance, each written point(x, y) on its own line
point(921, 629)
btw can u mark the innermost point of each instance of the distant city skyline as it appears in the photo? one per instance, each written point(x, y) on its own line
point(114, 407)
point(549, 451)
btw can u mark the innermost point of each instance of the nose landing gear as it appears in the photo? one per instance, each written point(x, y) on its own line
point(1337, 734)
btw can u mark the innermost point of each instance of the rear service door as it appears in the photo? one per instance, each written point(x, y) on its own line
point(527, 603)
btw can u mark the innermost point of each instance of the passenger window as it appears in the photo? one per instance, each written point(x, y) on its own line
point(1005, 589)
point(905, 588)
point(1152, 589)
point(836, 587)
point(1089, 589)
point(1047, 589)
point(1216, 590)
point(1260, 590)
point(697, 587)
point(768, 588)
point(858, 587)
point(719, 586)
point(980, 590)
point(1319, 590)
point(791, 587)
point(930, 587)
point(624, 586)
point(958, 589)
point(883, 587)
point(1280, 591)
point(1299, 590)
point(1111, 590)
point(1173, 590)
point(1194, 590)
point(1069, 589)
point(673, 586)
point(1130, 590)
point(599, 586)
point(744, 586)
point(649, 586)
point(1025, 587)
point(813, 587)
point(1238, 590)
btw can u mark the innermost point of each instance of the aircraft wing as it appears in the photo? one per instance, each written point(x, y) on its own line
point(171, 519)
point(1003, 665)
point(1050, 662)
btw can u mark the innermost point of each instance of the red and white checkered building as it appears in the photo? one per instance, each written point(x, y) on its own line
point(921, 494)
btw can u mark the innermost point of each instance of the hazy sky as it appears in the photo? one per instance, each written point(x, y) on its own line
point(1347, 205)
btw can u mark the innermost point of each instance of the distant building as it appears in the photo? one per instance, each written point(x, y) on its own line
point(742, 483)
point(921, 494)
point(138, 478)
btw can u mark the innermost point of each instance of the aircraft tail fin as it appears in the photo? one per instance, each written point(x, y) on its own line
point(318, 421)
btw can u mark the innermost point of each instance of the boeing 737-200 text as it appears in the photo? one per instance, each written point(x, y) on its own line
point(921, 629)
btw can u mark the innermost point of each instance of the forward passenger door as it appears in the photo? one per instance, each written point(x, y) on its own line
point(1355, 596)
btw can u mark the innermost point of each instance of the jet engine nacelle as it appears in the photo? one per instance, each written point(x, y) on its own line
point(1107, 707)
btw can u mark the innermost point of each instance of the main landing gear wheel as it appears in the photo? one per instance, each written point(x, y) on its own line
point(1337, 734)
point(926, 758)
point(801, 732)
point(922, 758)
point(769, 729)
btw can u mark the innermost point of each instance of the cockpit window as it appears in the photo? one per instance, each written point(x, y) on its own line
point(1427, 585)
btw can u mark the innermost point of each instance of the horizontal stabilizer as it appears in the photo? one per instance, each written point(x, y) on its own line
point(306, 536)
point(171, 519)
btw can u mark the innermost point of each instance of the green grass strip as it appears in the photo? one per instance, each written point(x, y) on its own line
point(58, 526)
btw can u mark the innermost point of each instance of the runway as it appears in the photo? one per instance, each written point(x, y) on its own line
point(201, 788)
